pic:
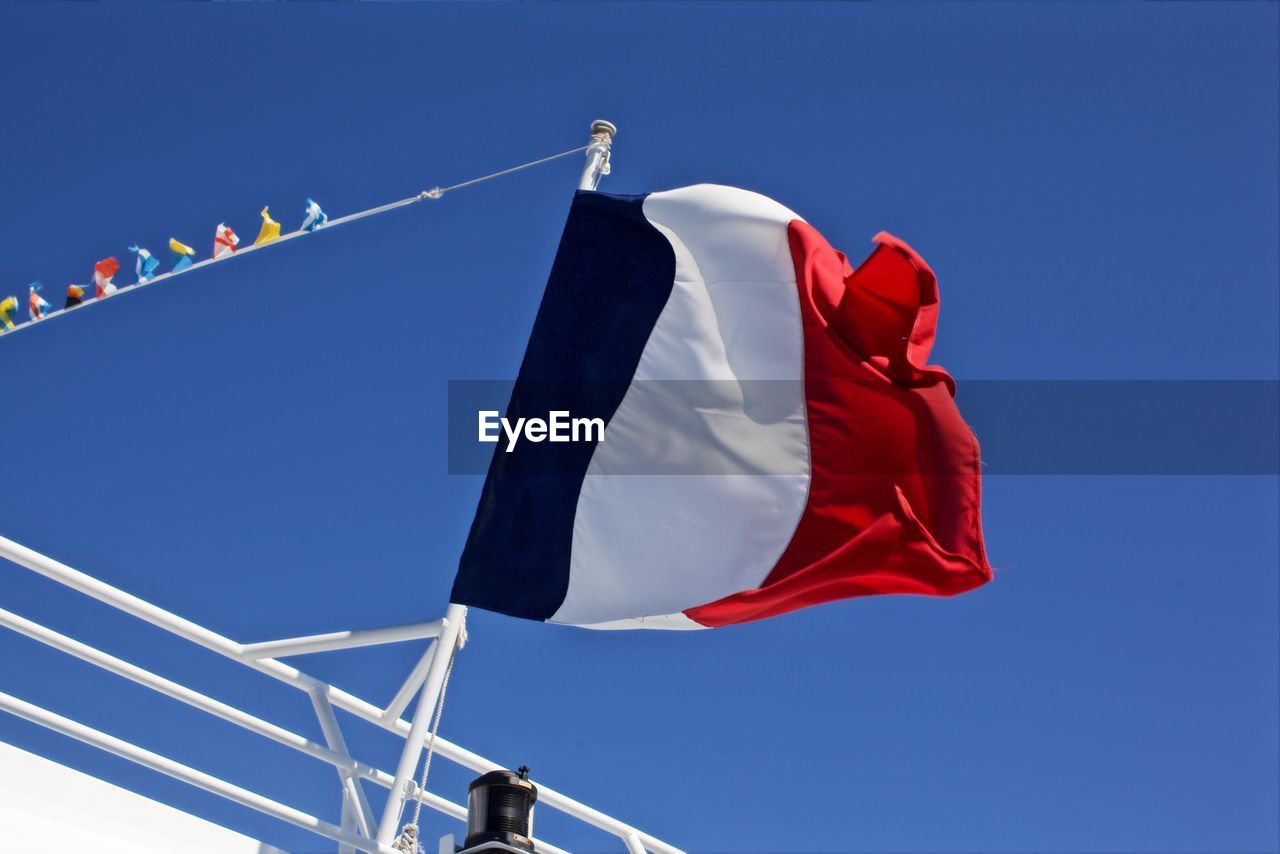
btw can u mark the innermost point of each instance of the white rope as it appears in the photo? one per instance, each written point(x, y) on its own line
point(433, 193)
point(437, 192)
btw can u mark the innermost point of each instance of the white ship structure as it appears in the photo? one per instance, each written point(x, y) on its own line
point(45, 806)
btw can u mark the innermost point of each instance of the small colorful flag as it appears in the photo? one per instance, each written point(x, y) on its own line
point(315, 217)
point(75, 296)
point(224, 241)
point(102, 273)
point(8, 307)
point(181, 255)
point(36, 304)
point(270, 229)
point(147, 264)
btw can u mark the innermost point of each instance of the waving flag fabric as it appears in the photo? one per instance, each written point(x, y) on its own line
point(147, 265)
point(75, 296)
point(8, 308)
point(102, 273)
point(774, 438)
point(315, 217)
point(181, 254)
point(224, 241)
point(36, 305)
point(270, 229)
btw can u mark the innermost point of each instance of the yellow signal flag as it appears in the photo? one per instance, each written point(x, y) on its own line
point(270, 229)
point(8, 308)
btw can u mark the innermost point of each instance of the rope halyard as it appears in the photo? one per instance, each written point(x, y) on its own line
point(433, 193)
point(407, 841)
point(437, 192)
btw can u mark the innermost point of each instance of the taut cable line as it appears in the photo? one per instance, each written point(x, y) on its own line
point(434, 193)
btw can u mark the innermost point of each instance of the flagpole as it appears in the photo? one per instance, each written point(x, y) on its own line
point(596, 167)
point(598, 152)
point(447, 644)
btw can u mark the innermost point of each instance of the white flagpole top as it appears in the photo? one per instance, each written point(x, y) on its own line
point(598, 152)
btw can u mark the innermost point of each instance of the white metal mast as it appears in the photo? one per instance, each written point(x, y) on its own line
point(597, 166)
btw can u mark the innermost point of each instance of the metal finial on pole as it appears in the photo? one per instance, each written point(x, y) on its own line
point(597, 154)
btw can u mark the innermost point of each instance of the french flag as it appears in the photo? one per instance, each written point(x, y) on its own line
point(774, 438)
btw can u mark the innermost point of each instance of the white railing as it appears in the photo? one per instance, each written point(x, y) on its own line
point(359, 830)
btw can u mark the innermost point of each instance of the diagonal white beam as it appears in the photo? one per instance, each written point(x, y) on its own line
point(340, 640)
point(348, 824)
point(353, 794)
point(411, 684)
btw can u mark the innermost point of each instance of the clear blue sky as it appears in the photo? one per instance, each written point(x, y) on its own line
point(260, 447)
